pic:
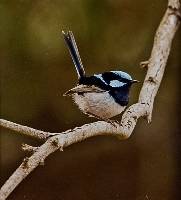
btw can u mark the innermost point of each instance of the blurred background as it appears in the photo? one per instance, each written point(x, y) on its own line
point(36, 70)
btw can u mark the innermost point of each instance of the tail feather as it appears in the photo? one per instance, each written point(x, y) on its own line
point(71, 44)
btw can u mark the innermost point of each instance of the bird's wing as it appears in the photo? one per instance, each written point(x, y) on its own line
point(83, 89)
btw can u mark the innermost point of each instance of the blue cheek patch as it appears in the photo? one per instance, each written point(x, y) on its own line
point(116, 83)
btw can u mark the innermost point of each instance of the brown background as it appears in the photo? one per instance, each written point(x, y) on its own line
point(36, 70)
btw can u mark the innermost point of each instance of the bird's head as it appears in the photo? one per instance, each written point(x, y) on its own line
point(117, 79)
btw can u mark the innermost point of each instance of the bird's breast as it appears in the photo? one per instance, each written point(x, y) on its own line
point(100, 104)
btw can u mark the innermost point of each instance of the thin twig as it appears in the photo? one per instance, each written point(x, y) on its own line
point(25, 130)
point(29, 148)
point(144, 107)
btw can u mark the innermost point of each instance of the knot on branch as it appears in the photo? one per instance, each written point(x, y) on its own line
point(58, 141)
point(174, 4)
point(174, 8)
point(151, 79)
point(25, 163)
point(55, 142)
point(176, 12)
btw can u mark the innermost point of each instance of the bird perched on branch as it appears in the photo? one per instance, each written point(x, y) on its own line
point(101, 95)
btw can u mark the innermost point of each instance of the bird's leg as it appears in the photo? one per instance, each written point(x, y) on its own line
point(112, 122)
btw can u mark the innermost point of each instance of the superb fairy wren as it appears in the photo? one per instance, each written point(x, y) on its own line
point(102, 95)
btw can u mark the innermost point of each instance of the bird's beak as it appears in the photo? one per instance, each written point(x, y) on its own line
point(135, 81)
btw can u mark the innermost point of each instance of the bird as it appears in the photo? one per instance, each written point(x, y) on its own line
point(103, 95)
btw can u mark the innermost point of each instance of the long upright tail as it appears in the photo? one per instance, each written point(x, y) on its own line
point(71, 44)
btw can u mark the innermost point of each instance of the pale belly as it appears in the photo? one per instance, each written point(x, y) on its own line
point(99, 104)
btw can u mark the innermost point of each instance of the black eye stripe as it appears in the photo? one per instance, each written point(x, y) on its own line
point(109, 76)
point(93, 80)
point(103, 81)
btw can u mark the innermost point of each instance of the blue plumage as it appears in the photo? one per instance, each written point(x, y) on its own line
point(116, 83)
point(123, 75)
point(101, 95)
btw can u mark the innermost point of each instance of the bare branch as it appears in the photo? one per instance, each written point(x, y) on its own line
point(25, 130)
point(29, 148)
point(144, 107)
